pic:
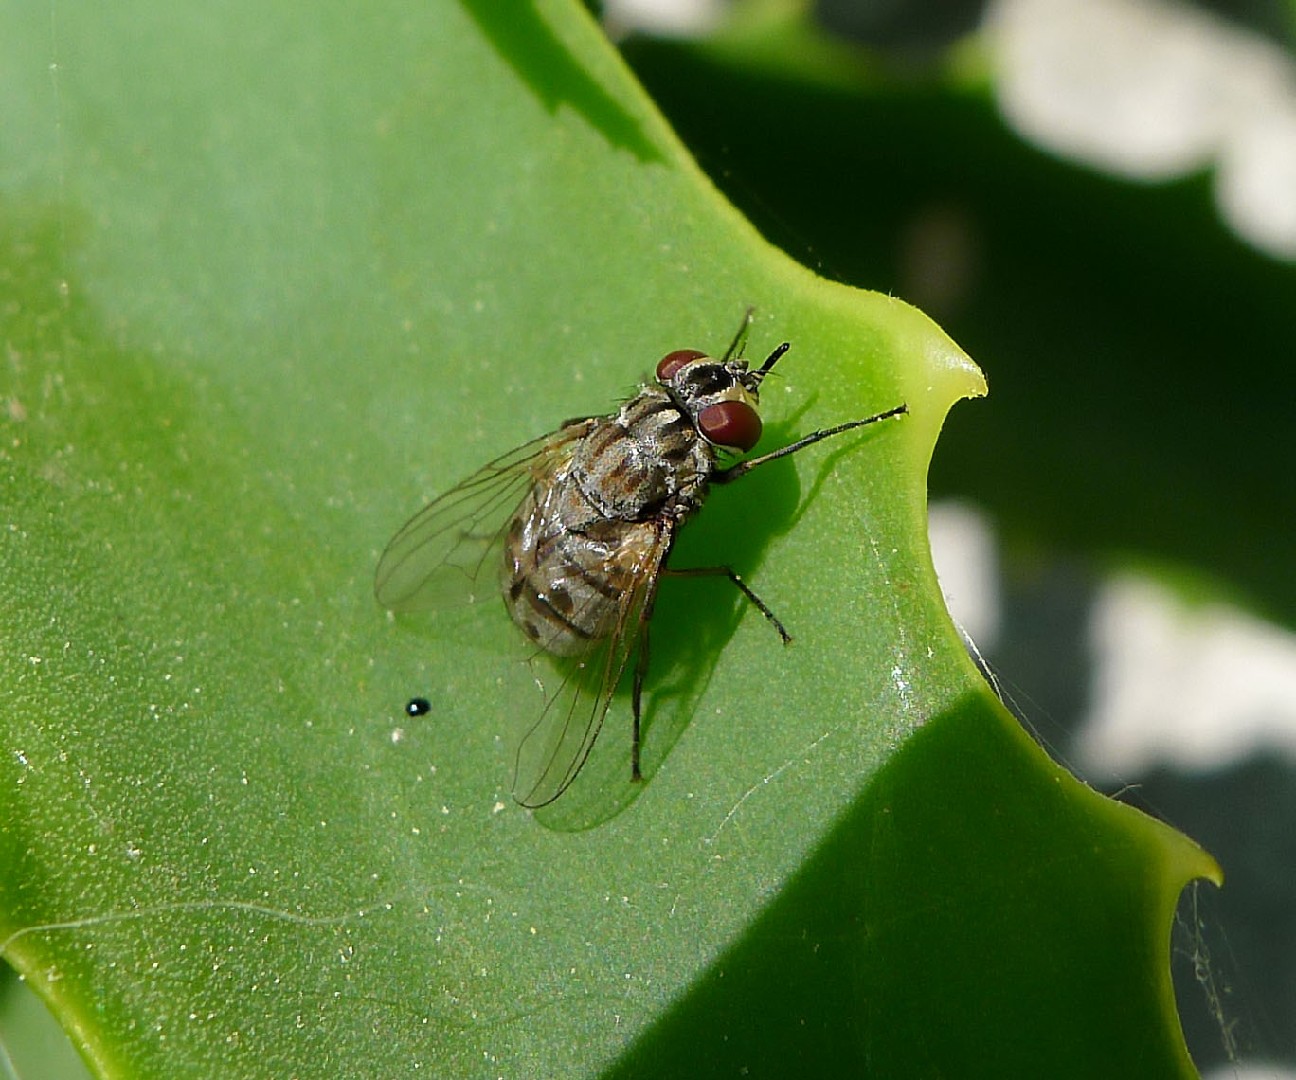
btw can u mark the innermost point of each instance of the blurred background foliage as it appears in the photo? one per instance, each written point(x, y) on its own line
point(1106, 225)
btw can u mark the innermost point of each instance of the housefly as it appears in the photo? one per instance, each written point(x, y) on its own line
point(574, 530)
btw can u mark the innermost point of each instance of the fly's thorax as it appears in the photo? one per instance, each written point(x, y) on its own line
point(646, 460)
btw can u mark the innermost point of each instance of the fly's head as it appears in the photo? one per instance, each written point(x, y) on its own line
point(720, 397)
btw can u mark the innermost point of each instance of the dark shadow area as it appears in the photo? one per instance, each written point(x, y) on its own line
point(522, 38)
point(1238, 943)
point(1043, 667)
point(1138, 354)
point(910, 31)
point(910, 944)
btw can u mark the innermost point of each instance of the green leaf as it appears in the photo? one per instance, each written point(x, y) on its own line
point(272, 281)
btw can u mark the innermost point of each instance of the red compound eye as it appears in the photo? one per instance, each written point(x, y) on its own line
point(731, 423)
point(673, 361)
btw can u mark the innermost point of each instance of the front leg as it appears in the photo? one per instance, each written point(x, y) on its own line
point(724, 476)
point(744, 588)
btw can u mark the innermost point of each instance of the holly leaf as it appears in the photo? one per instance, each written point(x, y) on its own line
point(276, 280)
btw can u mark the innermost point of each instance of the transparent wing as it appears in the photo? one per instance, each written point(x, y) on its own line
point(555, 747)
point(437, 557)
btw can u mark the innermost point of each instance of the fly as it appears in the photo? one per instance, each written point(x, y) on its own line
point(578, 525)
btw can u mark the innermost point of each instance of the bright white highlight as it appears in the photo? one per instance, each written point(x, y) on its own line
point(675, 18)
point(1188, 686)
point(1153, 89)
point(966, 558)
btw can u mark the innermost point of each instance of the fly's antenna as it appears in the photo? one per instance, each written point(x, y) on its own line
point(773, 359)
point(740, 339)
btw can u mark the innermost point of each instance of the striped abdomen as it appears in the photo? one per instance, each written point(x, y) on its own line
point(584, 536)
point(564, 587)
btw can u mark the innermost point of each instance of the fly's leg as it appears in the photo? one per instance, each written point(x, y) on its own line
point(740, 339)
point(641, 661)
point(641, 671)
point(724, 476)
point(743, 587)
point(739, 343)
